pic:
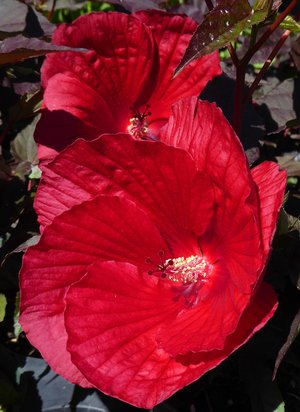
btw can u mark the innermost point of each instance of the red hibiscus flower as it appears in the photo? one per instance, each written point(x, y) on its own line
point(124, 84)
point(149, 270)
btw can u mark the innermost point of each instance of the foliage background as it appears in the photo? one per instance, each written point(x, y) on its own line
point(269, 131)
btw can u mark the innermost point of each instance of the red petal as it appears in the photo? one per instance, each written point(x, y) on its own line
point(271, 185)
point(101, 84)
point(111, 318)
point(234, 236)
point(104, 228)
point(172, 34)
point(162, 180)
point(56, 130)
point(205, 326)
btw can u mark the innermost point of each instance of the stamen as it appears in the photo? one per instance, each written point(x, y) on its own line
point(185, 270)
point(139, 122)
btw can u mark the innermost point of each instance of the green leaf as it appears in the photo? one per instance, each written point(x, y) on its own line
point(223, 24)
point(264, 393)
point(291, 124)
point(282, 225)
point(261, 5)
point(17, 326)
point(3, 303)
point(27, 106)
point(23, 147)
point(290, 24)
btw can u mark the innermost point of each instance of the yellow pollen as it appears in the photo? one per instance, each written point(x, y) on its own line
point(189, 270)
point(138, 127)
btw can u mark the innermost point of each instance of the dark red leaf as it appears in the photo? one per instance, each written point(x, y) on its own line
point(14, 49)
point(223, 24)
point(19, 17)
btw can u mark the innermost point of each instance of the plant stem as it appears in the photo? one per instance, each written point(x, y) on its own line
point(209, 4)
point(268, 33)
point(267, 63)
point(52, 10)
point(233, 55)
point(241, 69)
point(238, 99)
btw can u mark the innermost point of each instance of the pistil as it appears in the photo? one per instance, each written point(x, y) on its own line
point(139, 123)
point(188, 270)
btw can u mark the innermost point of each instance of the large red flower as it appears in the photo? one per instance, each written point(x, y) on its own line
point(126, 75)
point(149, 269)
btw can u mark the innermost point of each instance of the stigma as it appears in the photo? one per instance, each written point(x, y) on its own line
point(188, 270)
point(139, 123)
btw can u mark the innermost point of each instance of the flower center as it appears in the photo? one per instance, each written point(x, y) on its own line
point(186, 270)
point(139, 123)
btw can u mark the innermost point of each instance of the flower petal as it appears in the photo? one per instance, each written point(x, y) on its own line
point(206, 325)
point(103, 228)
point(111, 318)
point(172, 34)
point(234, 235)
point(56, 131)
point(270, 183)
point(162, 180)
point(105, 81)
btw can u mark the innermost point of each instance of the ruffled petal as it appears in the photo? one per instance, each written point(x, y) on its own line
point(271, 183)
point(49, 131)
point(111, 318)
point(103, 228)
point(98, 87)
point(234, 235)
point(206, 325)
point(162, 180)
point(172, 34)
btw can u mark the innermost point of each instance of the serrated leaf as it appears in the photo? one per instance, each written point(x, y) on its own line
point(290, 24)
point(18, 48)
point(264, 393)
point(3, 303)
point(261, 5)
point(17, 326)
point(294, 331)
point(223, 24)
point(27, 106)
